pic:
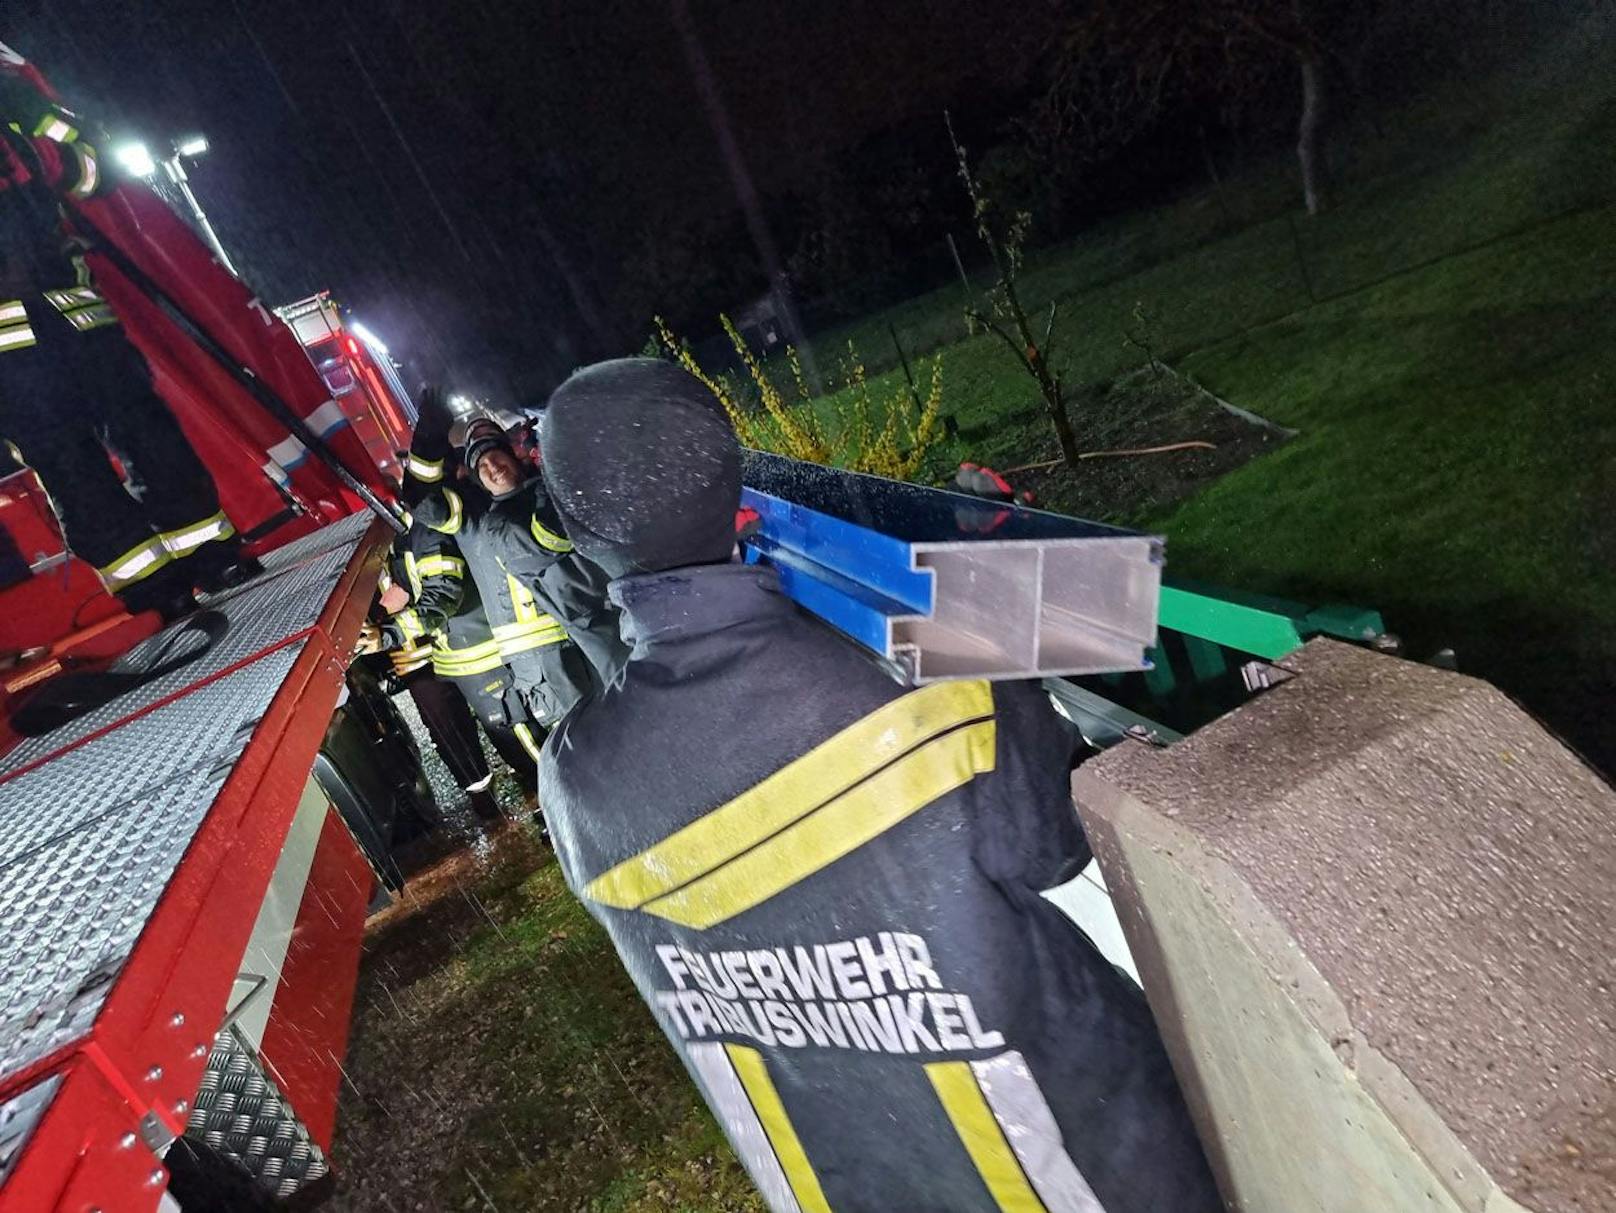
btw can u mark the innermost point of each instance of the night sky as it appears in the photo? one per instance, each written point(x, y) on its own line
point(484, 182)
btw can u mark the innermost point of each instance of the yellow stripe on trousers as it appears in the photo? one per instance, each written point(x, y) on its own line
point(833, 799)
point(984, 1141)
point(754, 1076)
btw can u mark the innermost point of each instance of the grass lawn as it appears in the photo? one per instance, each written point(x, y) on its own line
point(502, 1060)
point(1453, 376)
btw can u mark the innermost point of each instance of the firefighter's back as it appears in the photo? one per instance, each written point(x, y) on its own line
point(827, 887)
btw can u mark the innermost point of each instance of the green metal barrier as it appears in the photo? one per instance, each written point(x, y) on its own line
point(1211, 645)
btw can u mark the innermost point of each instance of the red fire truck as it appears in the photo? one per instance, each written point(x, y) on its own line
point(358, 371)
point(196, 818)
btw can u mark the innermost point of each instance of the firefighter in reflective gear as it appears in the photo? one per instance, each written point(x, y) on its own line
point(519, 558)
point(75, 395)
point(828, 886)
point(444, 606)
point(443, 710)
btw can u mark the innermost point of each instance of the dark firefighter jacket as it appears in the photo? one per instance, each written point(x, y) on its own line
point(44, 156)
point(521, 559)
point(828, 890)
point(445, 608)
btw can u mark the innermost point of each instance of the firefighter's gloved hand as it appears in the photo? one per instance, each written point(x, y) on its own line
point(370, 639)
point(433, 406)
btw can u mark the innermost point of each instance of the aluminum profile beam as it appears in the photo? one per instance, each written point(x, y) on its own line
point(945, 585)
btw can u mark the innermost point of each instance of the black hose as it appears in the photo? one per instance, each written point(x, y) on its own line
point(66, 697)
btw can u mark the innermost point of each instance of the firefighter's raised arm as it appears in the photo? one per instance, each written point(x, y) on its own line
point(429, 446)
point(48, 142)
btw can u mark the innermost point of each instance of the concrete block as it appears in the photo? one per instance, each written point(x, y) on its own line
point(1373, 911)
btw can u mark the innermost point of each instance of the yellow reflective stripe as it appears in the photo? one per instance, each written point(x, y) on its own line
point(429, 470)
point(525, 736)
point(412, 574)
point(799, 1172)
point(89, 172)
point(438, 565)
point(406, 518)
point(142, 560)
point(73, 298)
point(16, 337)
point(548, 538)
point(470, 652)
point(452, 525)
point(543, 625)
point(522, 604)
point(473, 659)
point(530, 638)
point(13, 311)
point(875, 772)
point(982, 1137)
point(86, 318)
point(459, 669)
point(410, 624)
point(510, 648)
point(54, 128)
point(182, 541)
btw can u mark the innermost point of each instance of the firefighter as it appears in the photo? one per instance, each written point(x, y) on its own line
point(546, 605)
point(827, 886)
point(443, 606)
point(444, 712)
point(75, 395)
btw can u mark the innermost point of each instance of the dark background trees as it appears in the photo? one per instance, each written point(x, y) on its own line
point(505, 189)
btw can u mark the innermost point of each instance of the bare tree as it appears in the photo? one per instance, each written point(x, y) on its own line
point(1005, 316)
point(1118, 66)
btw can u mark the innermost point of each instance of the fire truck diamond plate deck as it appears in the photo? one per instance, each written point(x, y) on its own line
point(165, 804)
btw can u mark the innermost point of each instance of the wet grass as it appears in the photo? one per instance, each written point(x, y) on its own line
point(502, 1060)
point(1445, 341)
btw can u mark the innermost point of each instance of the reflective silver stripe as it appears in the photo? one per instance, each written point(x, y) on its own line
point(86, 318)
point(329, 416)
point(410, 624)
point(451, 525)
point(288, 452)
point(729, 1101)
point(277, 473)
point(1029, 1126)
point(544, 625)
point(127, 569)
point(412, 571)
point(548, 538)
point(89, 172)
point(16, 338)
point(186, 539)
point(429, 470)
point(439, 565)
point(53, 127)
point(14, 310)
point(525, 736)
point(73, 297)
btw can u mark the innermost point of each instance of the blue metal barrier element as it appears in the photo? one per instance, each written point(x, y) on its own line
point(947, 585)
